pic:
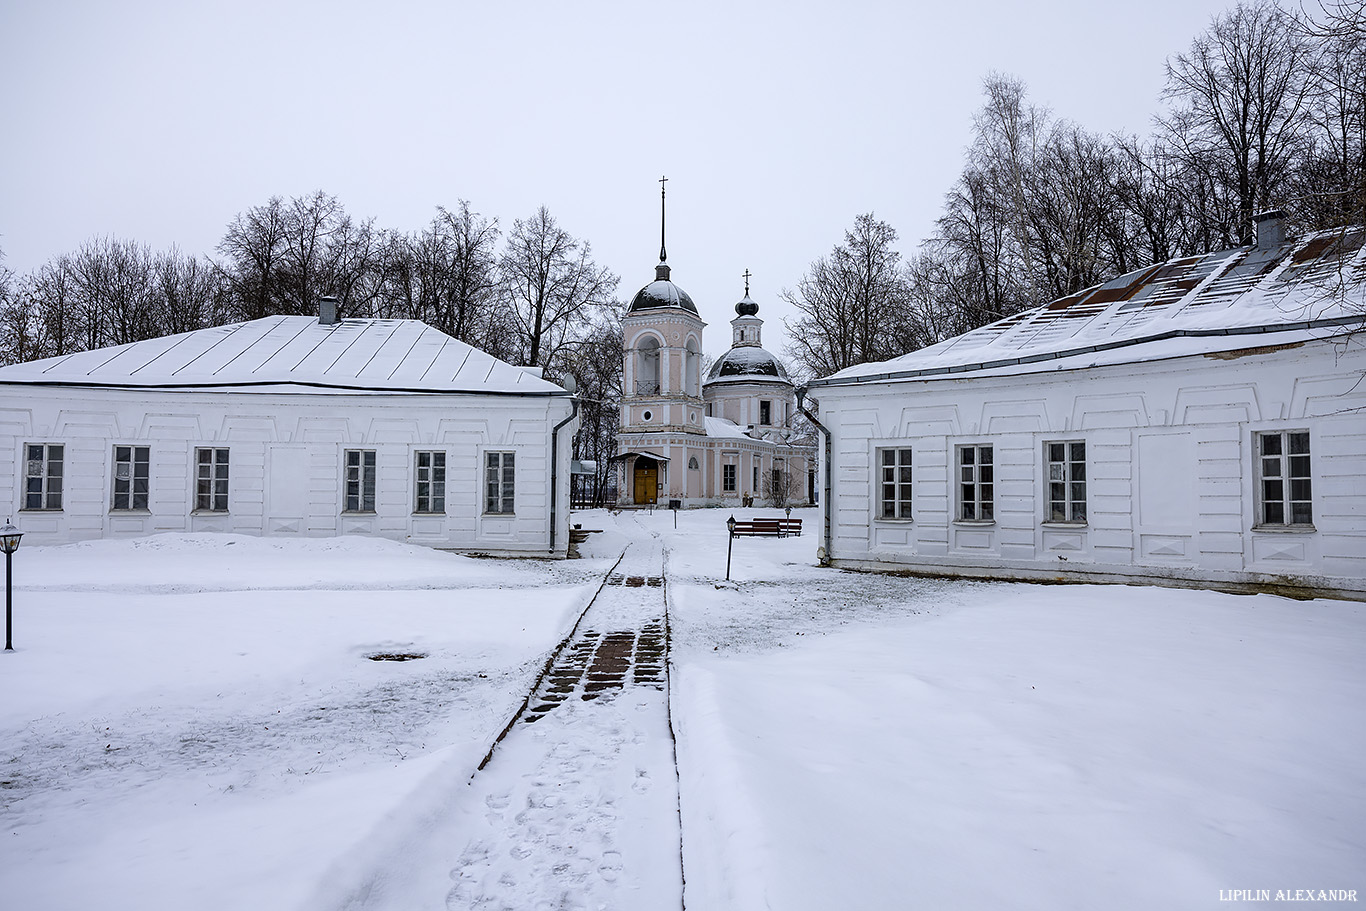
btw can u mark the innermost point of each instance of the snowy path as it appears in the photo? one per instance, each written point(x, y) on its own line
point(577, 807)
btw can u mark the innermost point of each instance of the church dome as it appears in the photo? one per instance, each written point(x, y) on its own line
point(745, 364)
point(662, 294)
point(747, 307)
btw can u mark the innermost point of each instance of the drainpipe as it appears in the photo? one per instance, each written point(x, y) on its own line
point(824, 555)
point(555, 455)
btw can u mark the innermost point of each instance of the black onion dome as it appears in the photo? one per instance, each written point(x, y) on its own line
point(747, 307)
point(661, 294)
point(747, 362)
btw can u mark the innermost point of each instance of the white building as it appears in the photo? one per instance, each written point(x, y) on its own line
point(290, 425)
point(725, 441)
point(1198, 422)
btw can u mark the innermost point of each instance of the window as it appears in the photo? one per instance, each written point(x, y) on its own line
point(765, 412)
point(360, 480)
point(976, 484)
point(728, 478)
point(429, 477)
point(692, 462)
point(498, 474)
point(896, 483)
point(131, 464)
point(211, 480)
point(43, 476)
point(755, 486)
point(1066, 481)
point(1283, 478)
point(647, 366)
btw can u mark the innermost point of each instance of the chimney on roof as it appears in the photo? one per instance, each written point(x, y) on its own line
point(327, 311)
point(1270, 229)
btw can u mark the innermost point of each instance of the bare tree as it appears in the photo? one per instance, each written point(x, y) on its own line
point(848, 302)
point(1241, 93)
point(549, 285)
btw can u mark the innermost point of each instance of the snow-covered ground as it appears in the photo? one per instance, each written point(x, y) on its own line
point(193, 721)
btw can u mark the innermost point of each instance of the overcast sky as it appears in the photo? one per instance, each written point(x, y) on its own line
point(776, 123)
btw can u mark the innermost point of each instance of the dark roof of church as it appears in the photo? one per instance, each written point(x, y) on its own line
point(661, 294)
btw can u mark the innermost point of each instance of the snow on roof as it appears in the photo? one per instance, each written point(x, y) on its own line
point(721, 427)
point(1191, 305)
point(380, 355)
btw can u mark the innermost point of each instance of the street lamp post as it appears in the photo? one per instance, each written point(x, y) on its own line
point(9, 542)
point(730, 542)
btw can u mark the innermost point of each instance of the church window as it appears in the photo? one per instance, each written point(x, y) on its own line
point(692, 462)
point(765, 412)
point(429, 482)
point(211, 480)
point(131, 470)
point(694, 368)
point(647, 367)
point(728, 478)
point(1284, 483)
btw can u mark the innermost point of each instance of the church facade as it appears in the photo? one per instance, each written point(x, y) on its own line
point(726, 440)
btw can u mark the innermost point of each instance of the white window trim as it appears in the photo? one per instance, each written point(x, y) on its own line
point(132, 479)
point(347, 481)
point(976, 482)
point(213, 463)
point(1258, 498)
point(431, 480)
point(1067, 481)
point(503, 492)
point(878, 482)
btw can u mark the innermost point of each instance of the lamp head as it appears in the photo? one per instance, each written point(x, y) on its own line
point(9, 537)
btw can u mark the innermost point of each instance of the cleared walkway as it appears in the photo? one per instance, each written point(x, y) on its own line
point(577, 806)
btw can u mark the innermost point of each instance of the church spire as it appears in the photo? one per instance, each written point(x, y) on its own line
point(663, 254)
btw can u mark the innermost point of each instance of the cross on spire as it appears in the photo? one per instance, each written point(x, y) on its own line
point(663, 254)
point(746, 283)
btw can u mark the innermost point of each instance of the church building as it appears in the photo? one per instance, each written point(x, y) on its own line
point(725, 440)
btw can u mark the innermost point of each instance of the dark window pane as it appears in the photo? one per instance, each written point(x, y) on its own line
point(1299, 466)
point(1299, 489)
point(1275, 512)
point(1301, 513)
point(985, 455)
point(1271, 444)
point(1299, 443)
point(1079, 452)
point(966, 455)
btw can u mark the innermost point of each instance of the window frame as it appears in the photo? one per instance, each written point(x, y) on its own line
point(435, 479)
point(213, 496)
point(130, 496)
point(765, 412)
point(901, 483)
point(1288, 504)
point(1068, 481)
point(975, 483)
point(500, 469)
point(729, 473)
point(50, 485)
point(354, 478)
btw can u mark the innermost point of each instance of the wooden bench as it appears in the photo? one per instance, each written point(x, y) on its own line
point(768, 528)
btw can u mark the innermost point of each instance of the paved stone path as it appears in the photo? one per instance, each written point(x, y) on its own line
point(577, 807)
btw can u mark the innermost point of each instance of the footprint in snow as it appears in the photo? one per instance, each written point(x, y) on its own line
point(610, 868)
point(642, 783)
point(498, 801)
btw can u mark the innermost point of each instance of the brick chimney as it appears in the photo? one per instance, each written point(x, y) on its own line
point(327, 311)
point(1270, 229)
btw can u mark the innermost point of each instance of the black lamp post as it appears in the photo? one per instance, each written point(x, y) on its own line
point(9, 542)
point(730, 542)
point(789, 519)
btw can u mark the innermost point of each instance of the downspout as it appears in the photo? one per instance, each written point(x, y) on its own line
point(824, 555)
point(555, 459)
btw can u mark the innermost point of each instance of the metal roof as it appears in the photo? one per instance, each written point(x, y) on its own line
point(293, 353)
point(1314, 284)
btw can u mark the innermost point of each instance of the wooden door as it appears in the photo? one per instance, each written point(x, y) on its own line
point(647, 483)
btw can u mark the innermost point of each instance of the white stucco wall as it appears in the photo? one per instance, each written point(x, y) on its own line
point(1171, 465)
point(286, 458)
